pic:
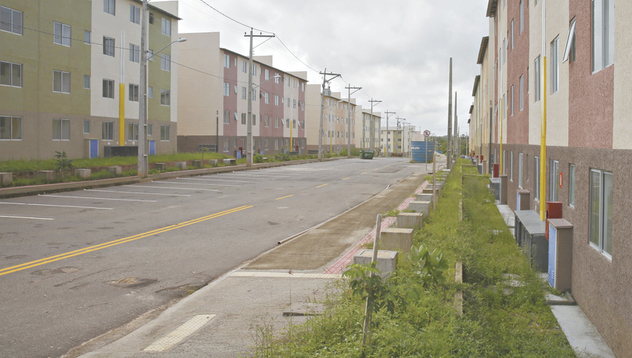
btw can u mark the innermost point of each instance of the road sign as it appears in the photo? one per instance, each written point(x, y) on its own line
point(426, 133)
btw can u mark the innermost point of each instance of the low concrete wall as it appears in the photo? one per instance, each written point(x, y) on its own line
point(181, 165)
point(409, 220)
point(419, 206)
point(115, 169)
point(396, 239)
point(47, 175)
point(386, 260)
point(230, 161)
point(6, 179)
point(83, 173)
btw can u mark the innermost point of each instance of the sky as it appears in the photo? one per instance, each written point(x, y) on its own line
point(398, 51)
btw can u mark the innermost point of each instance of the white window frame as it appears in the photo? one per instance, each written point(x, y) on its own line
point(166, 27)
point(134, 14)
point(226, 60)
point(602, 21)
point(555, 66)
point(554, 171)
point(165, 97)
point(226, 117)
point(165, 133)
point(11, 67)
point(571, 185)
point(86, 126)
point(132, 131)
point(107, 131)
point(536, 178)
point(165, 62)
point(86, 81)
point(8, 132)
point(108, 88)
point(521, 92)
point(87, 37)
point(537, 79)
point(226, 89)
point(150, 92)
point(134, 53)
point(600, 222)
point(61, 81)
point(109, 46)
point(62, 34)
point(520, 170)
point(64, 129)
point(133, 92)
point(15, 23)
point(109, 6)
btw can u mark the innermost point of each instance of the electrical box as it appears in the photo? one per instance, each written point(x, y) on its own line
point(552, 210)
point(496, 171)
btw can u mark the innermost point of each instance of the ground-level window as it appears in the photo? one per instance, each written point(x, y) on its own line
point(164, 132)
point(10, 128)
point(107, 131)
point(601, 209)
point(86, 126)
point(571, 185)
point(520, 163)
point(555, 174)
point(536, 177)
point(226, 144)
point(132, 131)
point(61, 129)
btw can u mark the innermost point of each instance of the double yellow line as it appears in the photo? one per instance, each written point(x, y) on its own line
point(105, 245)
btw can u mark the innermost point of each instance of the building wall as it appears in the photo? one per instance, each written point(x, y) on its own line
point(622, 124)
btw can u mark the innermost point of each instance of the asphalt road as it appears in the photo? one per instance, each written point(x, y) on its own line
point(76, 265)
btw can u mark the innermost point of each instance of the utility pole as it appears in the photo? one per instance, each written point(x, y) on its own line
point(386, 145)
point(449, 147)
point(349, 115)
point(322, 110)
point(372, 101)
point(249, 149)
point(457, 147)
point(143, 160)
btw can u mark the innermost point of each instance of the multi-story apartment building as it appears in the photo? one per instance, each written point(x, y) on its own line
point(396, 140)
point(367, 129)
point(579, 66)
point(214, 105)
point(336, 122)
point(69, 76)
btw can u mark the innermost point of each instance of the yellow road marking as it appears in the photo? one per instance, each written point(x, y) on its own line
point(124, 240)
point(362, 173)
point(377, 169)
point(321, 186)
point(285, 197)
point(346, 178)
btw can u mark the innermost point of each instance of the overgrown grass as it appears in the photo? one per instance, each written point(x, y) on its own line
point(499, 320)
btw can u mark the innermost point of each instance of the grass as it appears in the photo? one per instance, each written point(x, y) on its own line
point(498, 321)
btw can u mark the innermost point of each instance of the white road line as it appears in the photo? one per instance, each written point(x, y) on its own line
point(179, 334)
point(172, 188)
point(24, 217)
point(135, 192)
point(55, 206)
point(91, 198)
point(199, 183)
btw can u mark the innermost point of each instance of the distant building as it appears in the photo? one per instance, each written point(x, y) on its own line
point(335, 123)
point(70, 77)
point(367, 129)
point(214, 106)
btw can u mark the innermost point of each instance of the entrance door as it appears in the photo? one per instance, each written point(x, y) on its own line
point(152, 147)
point(94, 148)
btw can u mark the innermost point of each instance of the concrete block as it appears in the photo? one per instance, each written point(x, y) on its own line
point(396, 239)
point(181, 165)
point(115, 169)
point(160, 166)
point(6, 179)
point(409, 220)
point(386, 260)
point(230, 161)
point(47, 175)
point(213, 162)
point(197, 163)
point(419, 206)
point(83, 173)
point(424, 197)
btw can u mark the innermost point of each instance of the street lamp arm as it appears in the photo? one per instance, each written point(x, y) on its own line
point(182, 39)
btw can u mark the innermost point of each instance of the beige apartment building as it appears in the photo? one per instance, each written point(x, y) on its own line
point(336, 120)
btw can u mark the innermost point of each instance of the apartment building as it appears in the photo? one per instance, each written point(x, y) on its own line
point(579, 65)
point(367, 129)
point(336, 122)
point(69, 77)
point(396, 140)
point(214, 101)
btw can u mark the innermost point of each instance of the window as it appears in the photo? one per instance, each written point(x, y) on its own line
point(61, 129)
point(10, 74)
point(226, 144)
point(521, 93)
point(266, 97)
point(226, 89)
point(132, 131)
point(150, 129)
point(521, 16)
point(243, 118)
point(61, 81)
point(164, 132)
point(243, 92)
point(86, 82)
point(165, 62)
point(512, 34)
point(571, 185)
point(108, 46)
point(511, 165)
point(86, 126)
point(555, 66)
point(520, 163)
point(151, 18)
point(276, 99)
point(602, 34)
point(536, 177)
point(554, 169)
point(134, 14)
point(536, 79)
point(226, 60)
point(226, 117)
point(61, 34)
point(166, 27)
point(87, 37)
point(601, 209)
point(108, 88)
point(277, 77)
point(11, 20)
point(150, 92)
point(10, 128)
point(244, 66)
point(569, 51)
point(165, 97)
point(109, 6)
point(512, 100)
point(134, 53)
point(133, 92)
point(107, 131)
point(254, 69)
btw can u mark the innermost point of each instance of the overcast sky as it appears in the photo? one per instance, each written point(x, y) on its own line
point(398, 51)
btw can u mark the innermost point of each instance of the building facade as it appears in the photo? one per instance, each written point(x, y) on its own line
point(70, 81)
point(214, 101)
point(579, 65)
point(336, 120)
point(368, 129)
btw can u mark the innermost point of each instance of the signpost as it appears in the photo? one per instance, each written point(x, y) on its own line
point(426, 135)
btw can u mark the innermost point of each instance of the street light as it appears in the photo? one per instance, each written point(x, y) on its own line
point(143, 160)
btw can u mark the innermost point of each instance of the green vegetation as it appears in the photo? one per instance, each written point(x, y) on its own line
point(414, 310)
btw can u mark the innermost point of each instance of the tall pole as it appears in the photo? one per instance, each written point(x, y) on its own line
point(449, 148)
point(322, 111)
point(349, 88)
point(543, 128)
point(143, 164)
point(456, 147)
point(249, 141)
point(387, 130)
point(374, 102)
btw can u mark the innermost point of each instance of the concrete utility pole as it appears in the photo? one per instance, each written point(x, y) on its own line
point(457, 146)
point(322, 110)
point(249, 148)
point(449, 147)
point(372, 101)
point(349, 115)
point(386, 145)
point(143, 160)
